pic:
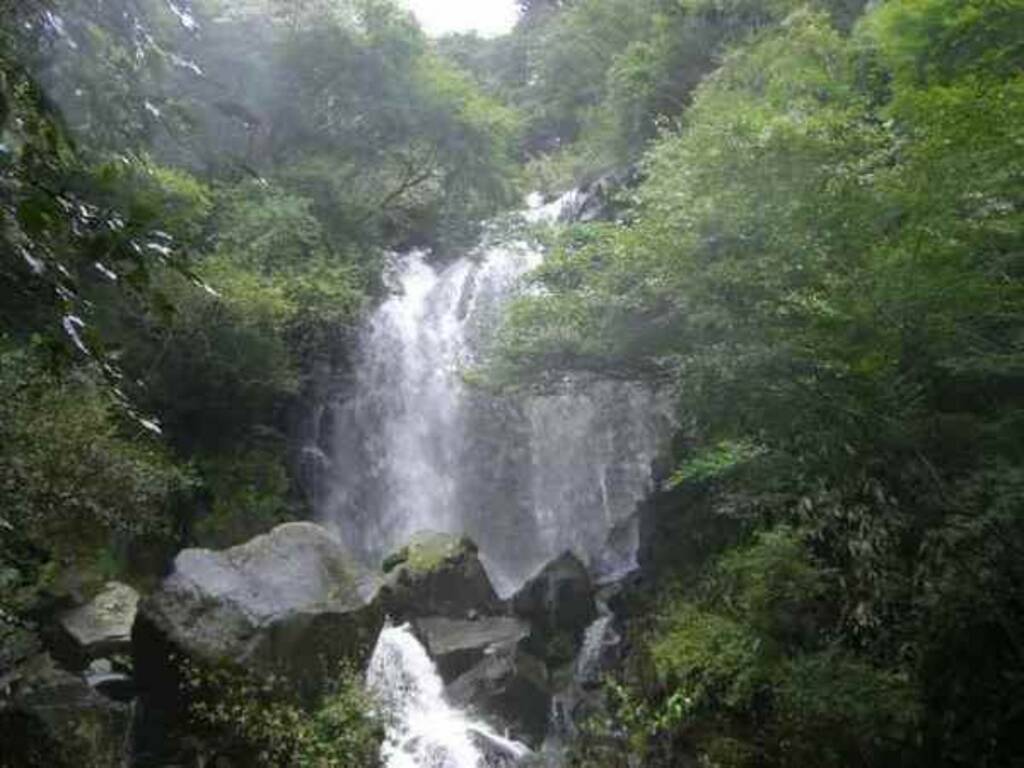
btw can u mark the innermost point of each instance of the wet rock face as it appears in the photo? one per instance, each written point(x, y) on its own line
point(437, 574)
point(510, 687)
point(102, 627)
point(456, 645)
point(502, 662)
point(559, 604)
point(58, 721)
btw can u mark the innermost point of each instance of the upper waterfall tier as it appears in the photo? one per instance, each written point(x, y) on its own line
point(414, 448)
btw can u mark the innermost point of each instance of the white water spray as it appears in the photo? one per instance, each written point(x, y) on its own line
point(425, 731)
point(414, 448)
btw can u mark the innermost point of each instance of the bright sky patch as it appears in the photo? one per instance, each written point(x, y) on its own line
point(487, 17)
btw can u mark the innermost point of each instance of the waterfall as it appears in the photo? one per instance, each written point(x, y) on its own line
point(412, 447)
point(598, 638)
point(424, 731)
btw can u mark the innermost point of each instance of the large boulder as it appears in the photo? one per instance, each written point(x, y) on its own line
point(58, 721)
point(437, 574)
point(559, 604)
point(510, 689)
point(456, 645)
point(103, 626)
point(290, 602)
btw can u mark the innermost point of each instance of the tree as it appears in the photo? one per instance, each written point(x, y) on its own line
point(824, 258)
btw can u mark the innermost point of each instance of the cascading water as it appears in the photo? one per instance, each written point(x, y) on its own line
point(414, 448)
point(425, 731)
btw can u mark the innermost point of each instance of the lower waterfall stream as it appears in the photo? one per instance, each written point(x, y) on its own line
point(425, 731)
point(410, 447)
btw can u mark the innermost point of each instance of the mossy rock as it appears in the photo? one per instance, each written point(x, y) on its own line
point(429, 550)
point(437, 574)
point(101, 627)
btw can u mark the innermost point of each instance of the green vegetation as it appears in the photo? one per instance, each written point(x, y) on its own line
point(259, 723)
point(595, 80)
point(75, 486)
point(426, 551)
point(824, 256)
point(743, 671)
point(820, 248)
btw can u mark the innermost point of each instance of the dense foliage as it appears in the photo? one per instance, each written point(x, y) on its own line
point(258, 723)
point(596, 79)
point(826, 258)
point(820, 248)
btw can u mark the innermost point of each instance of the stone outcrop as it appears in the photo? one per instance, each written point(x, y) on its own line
point(437, 574)
point(285, 602)
point(103, 626)
point(456, 645)
point(290, 603)
point(510, 688)
point(114, 683)
point(599, 199)
point(559, 604)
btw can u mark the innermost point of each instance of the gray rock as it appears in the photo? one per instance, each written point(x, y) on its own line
point(104, 625)
point(100, 667)
point(559, 604)
point(58, 721)
point(437, 574)
point(283, 602)
point(510, 689)
point(456, 645)
point(287, 604)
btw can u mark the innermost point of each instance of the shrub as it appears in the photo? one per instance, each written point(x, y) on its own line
point(74, 481)
point(260, 721)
